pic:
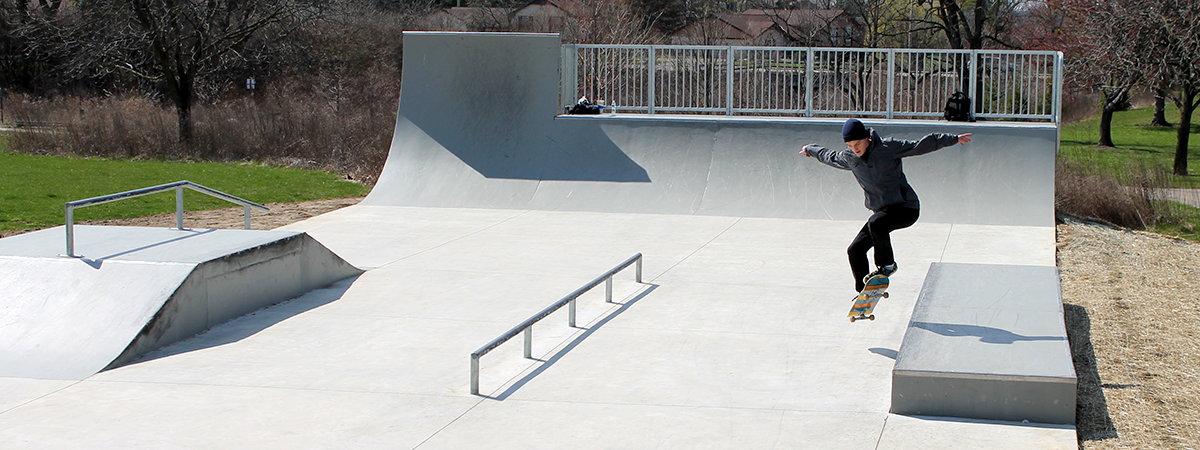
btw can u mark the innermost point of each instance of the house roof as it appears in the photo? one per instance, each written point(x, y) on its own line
point(469, 14)
point(572, 7)
point(755, 22)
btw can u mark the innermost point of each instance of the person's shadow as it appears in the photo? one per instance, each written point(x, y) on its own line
point(987, 335)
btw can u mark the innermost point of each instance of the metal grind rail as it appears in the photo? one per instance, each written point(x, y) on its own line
point(177, 186)
point(527, 325)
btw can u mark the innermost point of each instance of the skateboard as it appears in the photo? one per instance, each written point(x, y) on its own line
point(864, 304)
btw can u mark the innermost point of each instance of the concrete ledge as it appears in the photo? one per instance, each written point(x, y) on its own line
point(987, 342)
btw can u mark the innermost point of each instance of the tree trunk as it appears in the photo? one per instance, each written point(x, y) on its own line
point(1160, 106)
point(1106, 124)
point(182, 96)
point(1186, 107)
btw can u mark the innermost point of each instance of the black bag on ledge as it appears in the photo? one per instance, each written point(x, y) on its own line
point(958, 108)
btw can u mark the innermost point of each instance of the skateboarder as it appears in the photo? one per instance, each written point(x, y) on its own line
point(876, 164)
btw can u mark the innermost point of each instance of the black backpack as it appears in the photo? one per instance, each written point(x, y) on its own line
point(958, 108)
point(584, 107)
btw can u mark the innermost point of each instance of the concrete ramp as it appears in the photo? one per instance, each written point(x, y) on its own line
point(137, 289)
point(478, 128)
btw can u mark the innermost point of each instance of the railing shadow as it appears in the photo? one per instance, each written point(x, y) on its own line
point(96, 263)
point(574, 343)
point(1092, 421)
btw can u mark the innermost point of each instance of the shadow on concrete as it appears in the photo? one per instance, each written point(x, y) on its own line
point(1049, 426)
point(96, 263)
point(574, 343)
point(513, 154)
point(1092, 421)
point(250, 324)
point(885, 352)
point(985, 334)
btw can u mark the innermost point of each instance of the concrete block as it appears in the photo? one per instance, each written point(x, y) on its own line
point(987, 342)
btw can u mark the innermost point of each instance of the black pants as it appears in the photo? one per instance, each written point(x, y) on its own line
point(876, 234)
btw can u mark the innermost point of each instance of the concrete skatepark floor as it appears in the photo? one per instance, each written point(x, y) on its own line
point(1139, 405)
point(732, 343)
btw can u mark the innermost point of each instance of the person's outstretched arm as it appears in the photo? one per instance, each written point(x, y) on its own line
point(827, 156)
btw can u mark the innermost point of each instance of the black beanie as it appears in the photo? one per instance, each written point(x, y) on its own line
point(854, 130)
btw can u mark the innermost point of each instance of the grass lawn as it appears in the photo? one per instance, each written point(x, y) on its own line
point(1138, 145)
point(34, 189)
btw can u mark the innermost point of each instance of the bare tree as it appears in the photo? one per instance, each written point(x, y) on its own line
point(1104, 52)
point(1173, 41)
point(966, 24)
point(1118, 44)
point(174, 43)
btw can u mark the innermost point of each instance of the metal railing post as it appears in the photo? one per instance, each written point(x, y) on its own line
point(639, 270)
point(1058, 73)
point(809, 73)
point(729, 81)
point(246, 214)
point(608, 290)
point(653, 79)
point(976, 103)
point(70, 231)
point(529, 342)
point(179, 207)
point(571, 316)
point(474, 374)
point(891, 88)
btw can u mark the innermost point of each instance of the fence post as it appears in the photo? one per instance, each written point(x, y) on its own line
point(1058, 71)
point(729, 81)
point(809, 73)
point(570, 76)
point(891, 89)
point(976, 102)
point(653, 79)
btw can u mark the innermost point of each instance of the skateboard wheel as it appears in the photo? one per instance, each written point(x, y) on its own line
point(872, 317)
point(852, 319)
point(885, 295)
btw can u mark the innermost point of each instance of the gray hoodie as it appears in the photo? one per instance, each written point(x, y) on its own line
point(879, 171)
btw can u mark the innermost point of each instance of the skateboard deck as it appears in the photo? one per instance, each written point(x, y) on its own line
point(864, 304)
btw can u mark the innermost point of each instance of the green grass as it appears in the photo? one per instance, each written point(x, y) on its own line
point(1185, 222)
point(1138, 146)
point(34, 189)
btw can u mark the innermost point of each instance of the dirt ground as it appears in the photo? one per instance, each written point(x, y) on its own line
point(1130, 305)
point(281, 214)
point(1131, 314)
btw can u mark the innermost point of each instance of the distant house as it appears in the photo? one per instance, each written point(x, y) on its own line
point(468, 19)
point(549, 16)
point(773, 27)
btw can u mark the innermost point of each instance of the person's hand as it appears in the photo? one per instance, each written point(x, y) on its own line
point(964, 138)
point(804, 151)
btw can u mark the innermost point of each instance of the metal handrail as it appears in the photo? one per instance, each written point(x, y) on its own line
point(527, 325)
point(888, 83)
point(177, 186)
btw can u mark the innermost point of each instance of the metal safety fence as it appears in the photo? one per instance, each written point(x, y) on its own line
point(800, 81)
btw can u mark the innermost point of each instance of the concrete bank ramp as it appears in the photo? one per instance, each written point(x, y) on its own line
point(478, 128)
point(137, 289)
